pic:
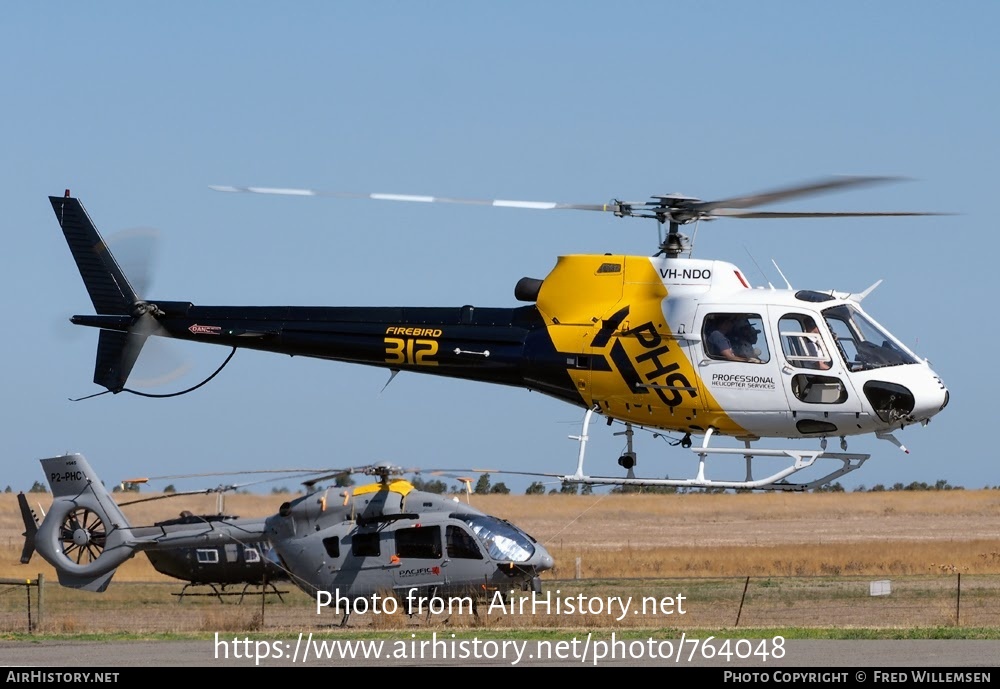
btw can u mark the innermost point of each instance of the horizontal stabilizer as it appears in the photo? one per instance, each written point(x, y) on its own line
point(96, 584)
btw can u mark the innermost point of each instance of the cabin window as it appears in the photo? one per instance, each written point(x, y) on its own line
point(332, 546)
point(802, 343)
point(731, 336)
point(365, 544)
point(251, 554)
point(864, 344)
point(461, 544)
point(420, 542)
point(207, 556)
point(817, 389)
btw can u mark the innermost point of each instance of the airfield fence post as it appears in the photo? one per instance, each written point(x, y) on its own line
point(739, 612)
point(39, 583)
point(958, 602)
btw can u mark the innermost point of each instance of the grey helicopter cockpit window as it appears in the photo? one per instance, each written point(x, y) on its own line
point(503, 540)
point(863, 343)
point(461, 544)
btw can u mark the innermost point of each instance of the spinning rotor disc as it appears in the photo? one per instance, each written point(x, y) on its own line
point(673, 210)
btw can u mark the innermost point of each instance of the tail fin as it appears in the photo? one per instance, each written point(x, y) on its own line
point(84, 536)
point(110, 291)
point(30, 528)
point(117, 353)
point(108, 287)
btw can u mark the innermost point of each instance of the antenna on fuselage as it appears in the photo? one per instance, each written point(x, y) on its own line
point(787, 283)
point(762, 273)
point(862, 295)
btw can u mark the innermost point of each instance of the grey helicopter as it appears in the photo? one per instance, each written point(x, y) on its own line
point(215, 566)
point(219, 566)
point(383, 540)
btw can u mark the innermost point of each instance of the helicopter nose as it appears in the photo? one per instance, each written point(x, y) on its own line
point(930, 398)
point(912, 395)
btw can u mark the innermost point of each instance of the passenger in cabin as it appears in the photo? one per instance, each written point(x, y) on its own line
point(721, 337)
point(813, 349)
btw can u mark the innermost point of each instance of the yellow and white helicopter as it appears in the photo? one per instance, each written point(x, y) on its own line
point(667, 343)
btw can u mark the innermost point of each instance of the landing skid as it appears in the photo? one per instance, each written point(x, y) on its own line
point(800, 460)
point(219, 591)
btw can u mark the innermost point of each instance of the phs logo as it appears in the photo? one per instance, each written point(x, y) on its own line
point(654, 366)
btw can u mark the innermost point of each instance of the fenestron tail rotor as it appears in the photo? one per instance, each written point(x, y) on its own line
point(83, 536)
point(672, 210)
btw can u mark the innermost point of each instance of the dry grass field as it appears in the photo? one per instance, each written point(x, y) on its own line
point(760, 534)
point(747, 560)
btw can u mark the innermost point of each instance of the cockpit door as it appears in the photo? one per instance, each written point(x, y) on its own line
point(739, 370)
point(812, 373)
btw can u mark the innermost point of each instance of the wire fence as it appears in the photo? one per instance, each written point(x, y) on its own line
point(954, 600)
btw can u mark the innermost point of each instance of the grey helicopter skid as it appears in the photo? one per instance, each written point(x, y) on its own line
point(666, 343)
point(381, 539)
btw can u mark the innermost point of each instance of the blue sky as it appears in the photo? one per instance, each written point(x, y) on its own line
point(139, 107)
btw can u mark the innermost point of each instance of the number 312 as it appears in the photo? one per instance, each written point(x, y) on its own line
point(400, 350)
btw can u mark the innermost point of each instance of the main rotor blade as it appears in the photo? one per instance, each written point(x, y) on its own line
point(416, 198)
point(785, 193)
point(167, 496)
point(736, 213)
point(206, 491)
point(291, 474)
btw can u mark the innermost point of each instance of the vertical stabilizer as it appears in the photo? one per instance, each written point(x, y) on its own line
point(84, 536)
point(30, 528)
point(107, 285)
point(110, 291)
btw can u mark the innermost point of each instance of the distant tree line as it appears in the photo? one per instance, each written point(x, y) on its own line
point(537, 488)
point(484, 486)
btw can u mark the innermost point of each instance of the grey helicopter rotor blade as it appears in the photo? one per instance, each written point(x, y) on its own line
point(290, 473)
point(204, 491)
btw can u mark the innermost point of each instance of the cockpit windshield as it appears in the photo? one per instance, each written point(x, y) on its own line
point(862, 342)
point(503, 540)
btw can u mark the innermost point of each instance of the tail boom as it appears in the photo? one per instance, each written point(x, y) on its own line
point(86, 537)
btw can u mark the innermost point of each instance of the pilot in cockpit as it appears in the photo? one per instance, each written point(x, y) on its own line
point(743, 338)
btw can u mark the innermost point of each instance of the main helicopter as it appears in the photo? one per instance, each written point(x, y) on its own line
point(651, 342)
point(377, 540)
